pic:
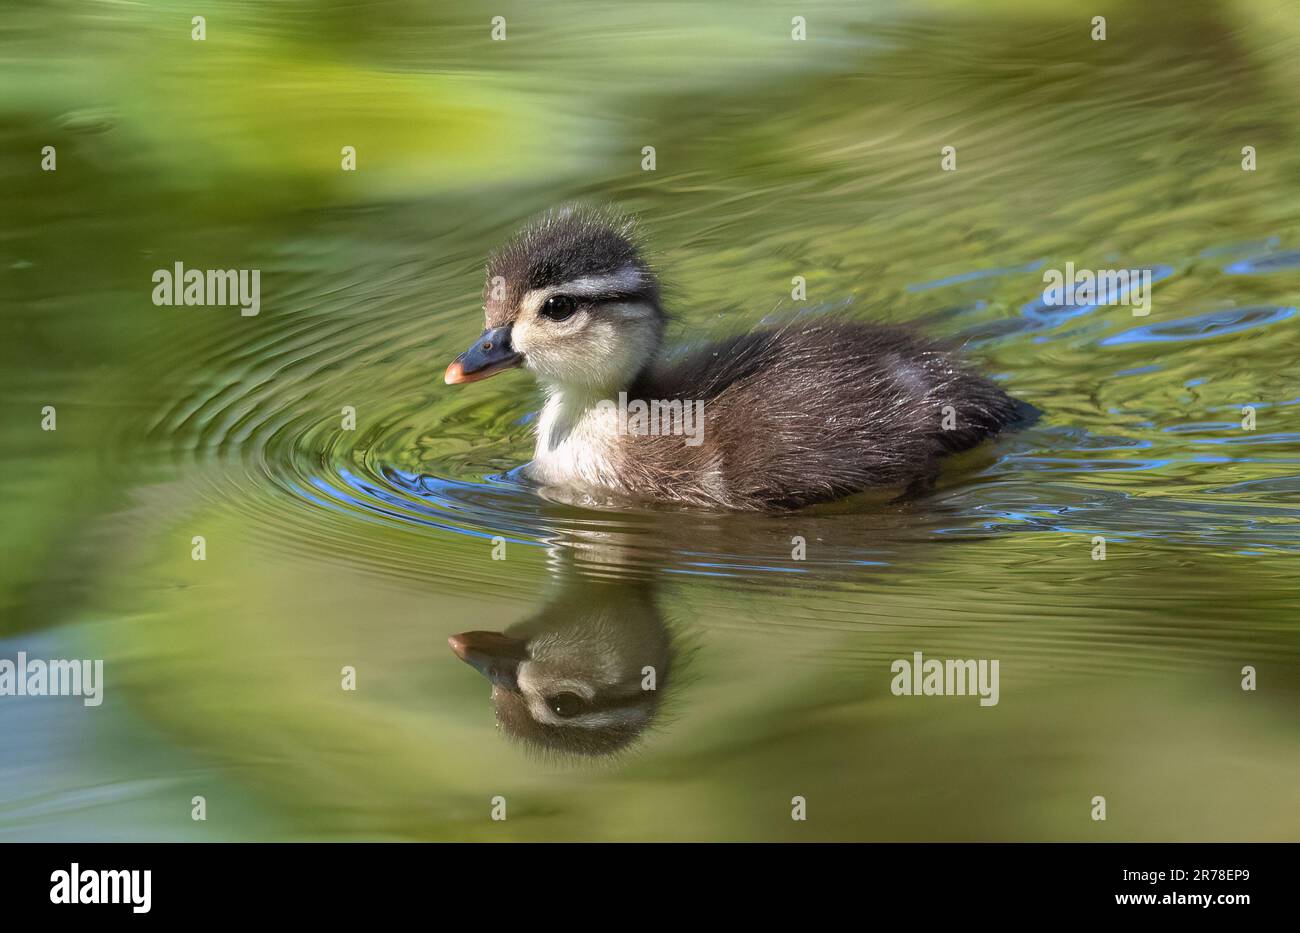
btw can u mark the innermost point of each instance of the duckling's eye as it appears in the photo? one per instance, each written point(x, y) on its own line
point(566, 704)
point(559, 307)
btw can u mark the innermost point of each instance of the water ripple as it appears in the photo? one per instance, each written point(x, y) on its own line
point(1201, 326)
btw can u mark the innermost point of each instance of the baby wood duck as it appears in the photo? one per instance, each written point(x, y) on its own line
point(811, 411)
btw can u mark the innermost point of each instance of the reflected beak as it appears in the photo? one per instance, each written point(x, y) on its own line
point(491, 354)
point(492, 654)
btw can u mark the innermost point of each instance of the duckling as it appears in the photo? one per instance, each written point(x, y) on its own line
point(815, 410)
point(582, 677)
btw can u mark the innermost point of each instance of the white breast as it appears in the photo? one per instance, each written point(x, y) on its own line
point(576, 443)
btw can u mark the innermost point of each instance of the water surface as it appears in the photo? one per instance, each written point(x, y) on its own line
point(367, 548)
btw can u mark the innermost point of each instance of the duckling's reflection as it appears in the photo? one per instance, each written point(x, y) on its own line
point(589, 672)
point(585, 675)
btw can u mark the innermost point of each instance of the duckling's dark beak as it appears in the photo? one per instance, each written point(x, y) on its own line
point(491, 353)
point(492, 654)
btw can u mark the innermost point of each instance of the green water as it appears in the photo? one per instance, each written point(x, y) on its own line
point(367, 548)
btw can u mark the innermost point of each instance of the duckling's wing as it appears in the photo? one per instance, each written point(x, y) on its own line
point(821, 409)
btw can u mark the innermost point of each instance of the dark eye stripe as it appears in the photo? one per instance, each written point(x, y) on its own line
point(560, 307)
point(607, 297)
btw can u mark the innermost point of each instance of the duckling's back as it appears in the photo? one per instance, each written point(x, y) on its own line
point(814, 411)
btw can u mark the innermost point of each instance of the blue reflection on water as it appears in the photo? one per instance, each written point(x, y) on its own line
point(1201, 326)
point(1262, 265)
point(1040, 309)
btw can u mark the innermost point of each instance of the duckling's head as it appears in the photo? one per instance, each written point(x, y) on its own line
point(571, 299)
point(583, 677)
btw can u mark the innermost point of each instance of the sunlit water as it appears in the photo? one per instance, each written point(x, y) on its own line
point(329, 547)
